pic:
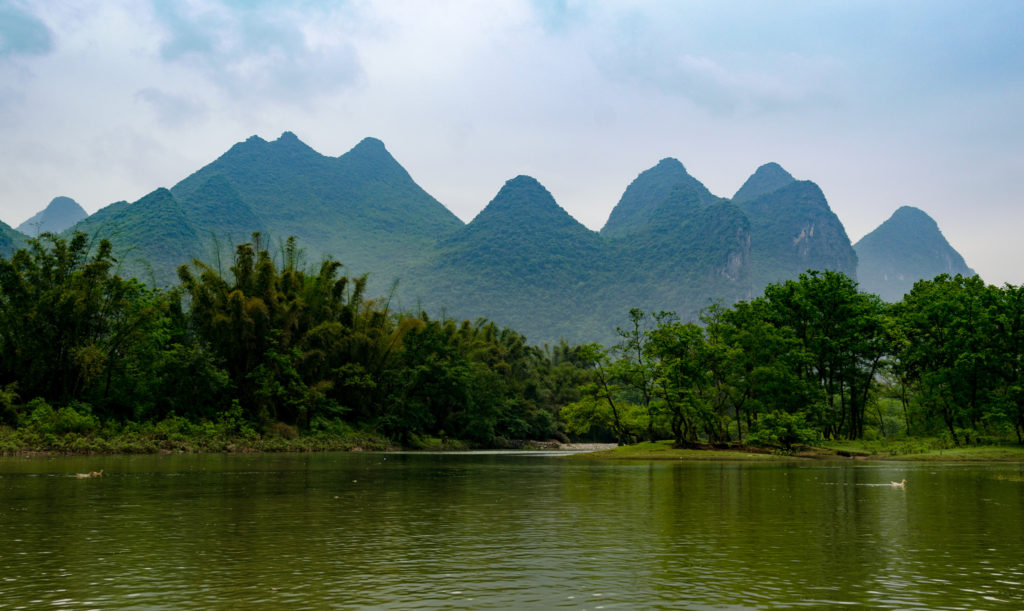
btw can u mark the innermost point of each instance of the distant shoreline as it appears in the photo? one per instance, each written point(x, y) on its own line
point(908, 450)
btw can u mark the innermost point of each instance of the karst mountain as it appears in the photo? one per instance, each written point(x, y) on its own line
point(523, 262)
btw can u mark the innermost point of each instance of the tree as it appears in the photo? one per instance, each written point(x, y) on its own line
point(951, 326)
point(601, 403)
point(633, 369)
point(679, 351)
point(67, 324)
point(843, 330)
point(756, 367)
point(296, 346)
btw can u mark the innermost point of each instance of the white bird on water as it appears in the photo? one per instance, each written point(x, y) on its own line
point(902, 484)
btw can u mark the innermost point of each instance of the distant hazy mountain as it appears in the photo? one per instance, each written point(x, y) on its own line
point(61, 213)
point(904, 249)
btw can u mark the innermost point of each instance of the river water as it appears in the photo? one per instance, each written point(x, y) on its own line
point(506, 531)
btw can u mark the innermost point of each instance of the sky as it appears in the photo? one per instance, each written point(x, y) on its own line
point(880, 103)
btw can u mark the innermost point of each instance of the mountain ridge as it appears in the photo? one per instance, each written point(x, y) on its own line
point(523, 261)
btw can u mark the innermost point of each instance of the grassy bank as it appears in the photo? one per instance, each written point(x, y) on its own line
point(181, 436)
point(928, 449)
point(663, 450)
point(915, 449)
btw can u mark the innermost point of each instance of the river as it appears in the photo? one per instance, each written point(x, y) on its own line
point(506, 531)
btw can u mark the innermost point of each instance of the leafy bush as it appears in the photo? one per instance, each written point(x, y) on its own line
point(782, 430)
point(8, 407)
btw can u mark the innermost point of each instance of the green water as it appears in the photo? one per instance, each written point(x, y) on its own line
point(506, 532)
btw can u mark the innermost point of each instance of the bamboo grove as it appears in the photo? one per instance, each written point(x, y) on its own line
point(279, 347)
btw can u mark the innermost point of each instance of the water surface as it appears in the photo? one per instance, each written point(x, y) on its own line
point(506, 531)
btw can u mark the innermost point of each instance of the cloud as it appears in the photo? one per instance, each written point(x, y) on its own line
point(22, 33)
point(172, 110)
point(255, 50)
point(723, 61)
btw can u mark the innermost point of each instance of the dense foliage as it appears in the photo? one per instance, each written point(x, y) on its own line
point(274, 348)
point(814, 358)
point(269, 344)
point(10, 240)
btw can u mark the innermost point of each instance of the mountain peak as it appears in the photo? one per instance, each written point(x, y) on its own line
point(904, 249)
point(61, 213)
point(290, 143)
point(525, 204)
point(671, 164)
point(905, 214)
point(371, 158)
point(767, 178)
point(643, 197)
point(370, 144)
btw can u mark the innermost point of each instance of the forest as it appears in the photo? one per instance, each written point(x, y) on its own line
point(273, 348)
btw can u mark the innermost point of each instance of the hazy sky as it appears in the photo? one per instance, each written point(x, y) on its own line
point(881, 103)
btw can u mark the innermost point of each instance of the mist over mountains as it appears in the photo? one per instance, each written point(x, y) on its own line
point(524, 262)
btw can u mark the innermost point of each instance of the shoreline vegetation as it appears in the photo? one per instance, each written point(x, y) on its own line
point(274, 355)
point(178, 438)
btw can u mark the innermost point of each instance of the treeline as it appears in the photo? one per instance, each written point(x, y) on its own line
point(273, 347)
point(270, 344)
point(812, 359)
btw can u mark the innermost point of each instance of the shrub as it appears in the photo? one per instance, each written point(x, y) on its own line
point(280, 430)
point(76, 417)
point(8, 407)
point(782, 430)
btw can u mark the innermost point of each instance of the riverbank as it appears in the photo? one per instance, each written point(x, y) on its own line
point(913, 450)
point(155, 439)
point(176, 436)
point(663, 450)
point(927, 449)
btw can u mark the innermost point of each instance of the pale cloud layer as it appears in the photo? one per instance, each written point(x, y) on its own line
point(882, 104)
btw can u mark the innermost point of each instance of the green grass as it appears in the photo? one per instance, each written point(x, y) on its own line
point(927, 449)
point(663, 450)
point(923, 449)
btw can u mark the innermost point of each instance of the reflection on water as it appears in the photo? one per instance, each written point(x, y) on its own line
point(505, 531)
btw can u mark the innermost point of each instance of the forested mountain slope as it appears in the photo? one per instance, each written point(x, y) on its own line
point(362, 208)
point(10, 240)
point(643, 197)
point(151, 237)
point(669, 243)
point(792, 228)
point(523, 262)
